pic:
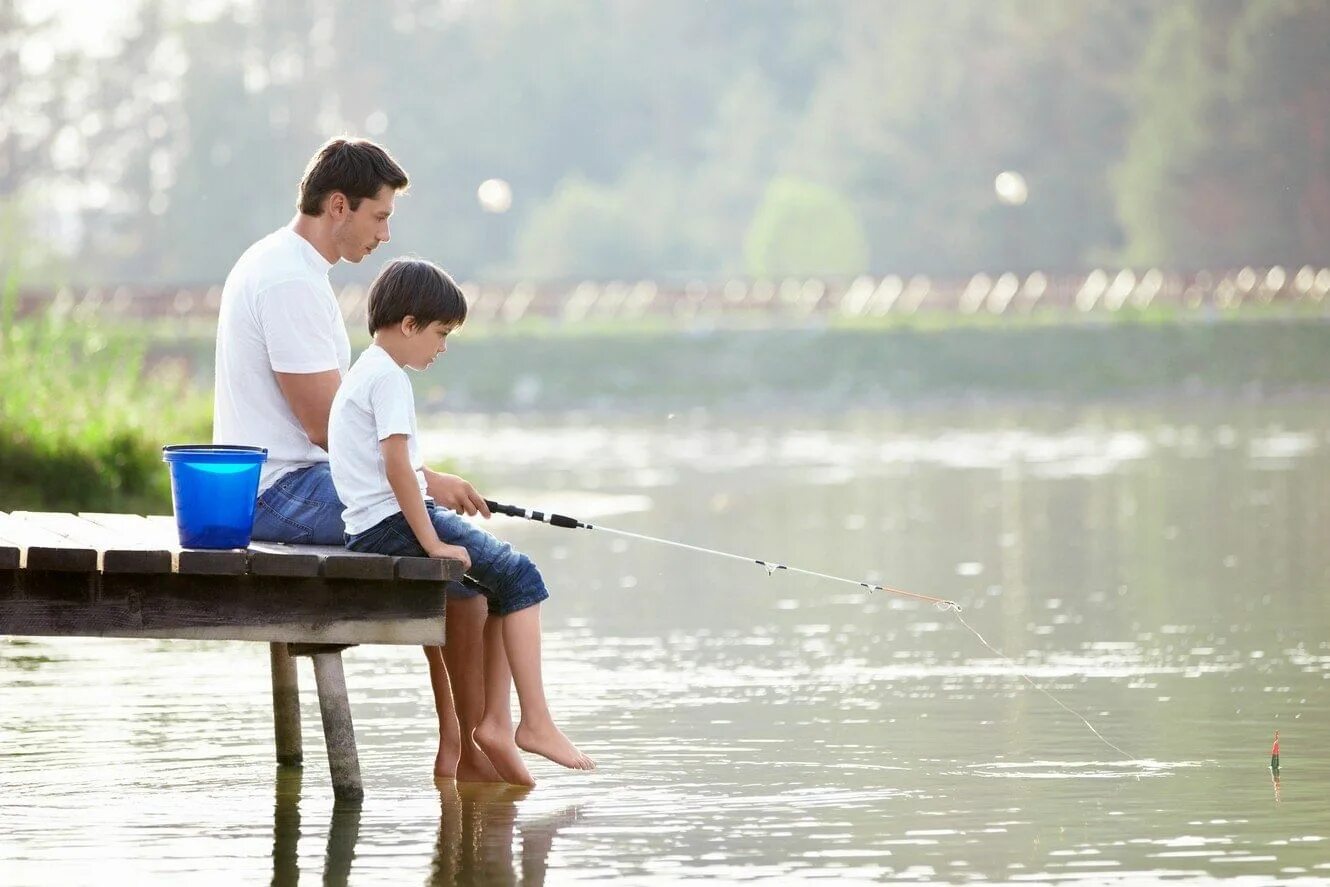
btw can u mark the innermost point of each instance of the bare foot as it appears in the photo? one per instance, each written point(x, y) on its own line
point(445, 762)
point(549, 742)
point(476, 767)
point(497, 744)
point(494, 793)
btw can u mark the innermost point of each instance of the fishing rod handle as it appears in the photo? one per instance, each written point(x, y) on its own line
point(500, 508)
point(554, 520)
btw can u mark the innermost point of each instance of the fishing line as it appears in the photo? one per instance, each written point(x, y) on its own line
point(571, 523)
point(1025, 677)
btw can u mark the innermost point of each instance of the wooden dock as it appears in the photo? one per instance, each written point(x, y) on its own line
point(117, 575)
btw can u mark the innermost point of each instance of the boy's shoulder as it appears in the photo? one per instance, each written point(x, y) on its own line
point(372, 365)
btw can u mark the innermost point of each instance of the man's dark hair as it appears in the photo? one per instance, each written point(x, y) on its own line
point(414, 288)
point(357, 168)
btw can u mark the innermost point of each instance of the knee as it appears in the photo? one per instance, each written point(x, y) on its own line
point(523, 570)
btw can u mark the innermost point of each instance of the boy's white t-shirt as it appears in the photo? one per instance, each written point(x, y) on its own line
point(278, 315)
point(374, 402)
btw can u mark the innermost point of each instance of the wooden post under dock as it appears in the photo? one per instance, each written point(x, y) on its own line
point(117, 575)
point(286, 705)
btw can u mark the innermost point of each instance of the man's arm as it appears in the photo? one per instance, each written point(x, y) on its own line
point(310, 396)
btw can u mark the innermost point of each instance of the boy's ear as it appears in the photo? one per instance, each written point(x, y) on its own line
point(408, 325)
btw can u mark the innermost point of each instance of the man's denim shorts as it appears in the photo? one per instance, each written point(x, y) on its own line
point(302, 507)
point(507, 578)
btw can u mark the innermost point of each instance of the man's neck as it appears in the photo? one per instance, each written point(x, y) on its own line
point(312, 229)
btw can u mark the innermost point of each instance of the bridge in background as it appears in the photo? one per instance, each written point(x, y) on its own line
point(760, 302)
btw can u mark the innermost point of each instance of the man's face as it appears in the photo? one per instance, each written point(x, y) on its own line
point(357, 232)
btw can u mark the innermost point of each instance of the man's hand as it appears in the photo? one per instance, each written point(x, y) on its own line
point(451, 491)
point(456, 552)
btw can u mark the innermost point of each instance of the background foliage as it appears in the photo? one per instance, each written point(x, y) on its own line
point(650, 139)
point(83, 419)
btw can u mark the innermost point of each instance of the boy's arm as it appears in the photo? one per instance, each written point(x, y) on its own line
point(455, 492)
point(402, 479)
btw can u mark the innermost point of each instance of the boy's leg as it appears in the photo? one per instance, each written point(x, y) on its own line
point(515, 589)
point(536, 733)
point(494, 734)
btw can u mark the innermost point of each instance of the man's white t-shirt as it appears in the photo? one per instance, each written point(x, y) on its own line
point(374, 402)
point(278, 315)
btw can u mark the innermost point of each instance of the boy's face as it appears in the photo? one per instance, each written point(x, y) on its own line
point(357, 232)
point(424, 344)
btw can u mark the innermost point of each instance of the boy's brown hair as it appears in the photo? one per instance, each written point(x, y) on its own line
point(414, 288)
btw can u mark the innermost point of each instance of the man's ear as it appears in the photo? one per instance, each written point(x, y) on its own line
point(337, 205)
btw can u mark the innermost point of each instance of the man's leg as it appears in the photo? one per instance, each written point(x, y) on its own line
point(495, 732)
point(450, 739)
point(463, 656)
point(301, 506)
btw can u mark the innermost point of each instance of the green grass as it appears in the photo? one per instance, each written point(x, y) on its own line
point(83, 417)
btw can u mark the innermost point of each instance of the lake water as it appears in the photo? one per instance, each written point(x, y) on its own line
point(1161, 570)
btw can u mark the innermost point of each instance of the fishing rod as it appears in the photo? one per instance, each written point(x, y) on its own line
point(572, 523)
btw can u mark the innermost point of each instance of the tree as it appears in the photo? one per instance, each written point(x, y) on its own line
point(583, 230)
point(127, 161)
point(1229, 156)
point(804, 229)
point(35, 131)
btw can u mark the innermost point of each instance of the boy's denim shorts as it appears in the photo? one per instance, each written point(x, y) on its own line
point(507, 578)
point(302, 507)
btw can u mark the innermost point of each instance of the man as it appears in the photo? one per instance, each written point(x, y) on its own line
point(282, 349)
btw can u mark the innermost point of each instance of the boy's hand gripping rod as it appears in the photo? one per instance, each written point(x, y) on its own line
point(559, 520)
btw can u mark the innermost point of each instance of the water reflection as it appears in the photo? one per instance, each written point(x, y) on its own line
point(475, 843)
point(342, 834)
point(286, 827)
point(476, 835)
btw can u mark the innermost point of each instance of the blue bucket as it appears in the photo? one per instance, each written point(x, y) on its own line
point(214, 488)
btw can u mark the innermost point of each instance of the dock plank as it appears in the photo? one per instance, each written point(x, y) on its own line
point(279, 559)
point(428, 569)
point(117, 553)
point(41, 549)
point(11, 556)
point(357, 565)
point(161, 530)
point(416, 569)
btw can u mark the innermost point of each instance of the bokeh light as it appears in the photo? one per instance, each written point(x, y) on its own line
point(1011, 188)
point(495, 195)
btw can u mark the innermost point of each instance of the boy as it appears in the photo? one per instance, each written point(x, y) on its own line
point(281, 351)
point(377, 470)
